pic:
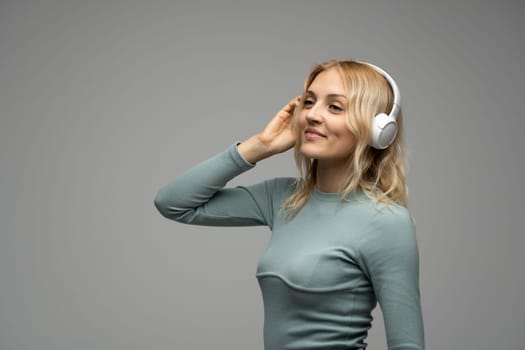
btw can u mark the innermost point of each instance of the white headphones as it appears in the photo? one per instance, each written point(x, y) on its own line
point(384, 127)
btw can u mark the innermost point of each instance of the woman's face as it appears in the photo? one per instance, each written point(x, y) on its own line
point(324, 134)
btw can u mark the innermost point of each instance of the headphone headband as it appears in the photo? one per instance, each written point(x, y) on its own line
point(395, 89)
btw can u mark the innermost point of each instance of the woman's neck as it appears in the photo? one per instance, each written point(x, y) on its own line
point(329, 175)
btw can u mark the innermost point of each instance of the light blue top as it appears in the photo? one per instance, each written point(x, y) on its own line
point(323, 270)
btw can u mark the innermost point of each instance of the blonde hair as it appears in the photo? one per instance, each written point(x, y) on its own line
point(380, 174)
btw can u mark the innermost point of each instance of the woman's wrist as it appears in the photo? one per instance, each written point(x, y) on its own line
point(253, 150)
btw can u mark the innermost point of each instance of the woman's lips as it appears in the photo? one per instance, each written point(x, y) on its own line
point(313, 134)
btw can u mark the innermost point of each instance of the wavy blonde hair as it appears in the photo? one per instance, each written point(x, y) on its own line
point(379, 173)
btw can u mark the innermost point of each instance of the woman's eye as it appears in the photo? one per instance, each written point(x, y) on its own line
point(336, 108)
point(308, 102)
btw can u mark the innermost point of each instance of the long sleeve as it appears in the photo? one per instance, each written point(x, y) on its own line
point(198, 196)
point(390, 254)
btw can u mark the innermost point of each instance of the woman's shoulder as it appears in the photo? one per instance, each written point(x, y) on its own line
point(281, 186)
point(388, 222)
point(284, 183)
point(273, 189)
point(392, 214)
point(388, 238)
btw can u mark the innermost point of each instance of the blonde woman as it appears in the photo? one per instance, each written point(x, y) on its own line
point(342, 238)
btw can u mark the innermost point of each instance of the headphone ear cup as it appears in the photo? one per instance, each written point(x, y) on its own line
point(384, 131)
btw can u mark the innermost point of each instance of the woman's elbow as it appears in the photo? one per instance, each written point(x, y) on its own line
point(167, 207)
point(161, 203)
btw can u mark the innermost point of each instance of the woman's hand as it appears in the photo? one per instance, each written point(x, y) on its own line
point(276, 137)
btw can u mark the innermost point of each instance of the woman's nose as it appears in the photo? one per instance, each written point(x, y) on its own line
point(313, 115)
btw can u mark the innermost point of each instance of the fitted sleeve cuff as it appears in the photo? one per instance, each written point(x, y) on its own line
point(241, 162)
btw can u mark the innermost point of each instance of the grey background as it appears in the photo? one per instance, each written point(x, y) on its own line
point(103, 102)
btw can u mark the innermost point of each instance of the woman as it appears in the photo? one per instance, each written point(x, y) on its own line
point(342, 238)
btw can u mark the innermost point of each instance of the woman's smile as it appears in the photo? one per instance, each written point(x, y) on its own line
point(312, 134)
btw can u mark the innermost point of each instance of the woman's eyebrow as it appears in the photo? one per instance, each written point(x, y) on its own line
point(337, 95)
point(311, 93)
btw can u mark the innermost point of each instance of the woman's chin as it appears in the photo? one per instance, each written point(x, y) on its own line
point(308, 151)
